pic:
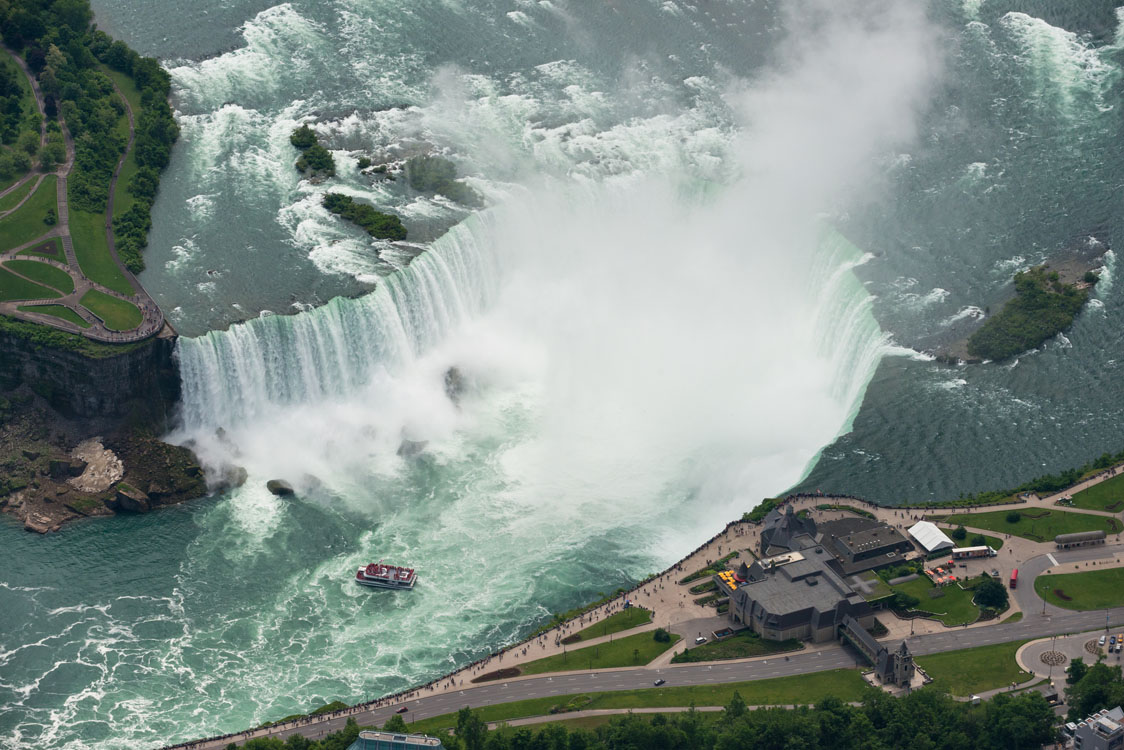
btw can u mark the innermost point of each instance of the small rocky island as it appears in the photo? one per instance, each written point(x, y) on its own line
point(1046, 300)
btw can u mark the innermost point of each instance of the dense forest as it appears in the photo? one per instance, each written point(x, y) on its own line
point(1043, 307)
point(71, 59)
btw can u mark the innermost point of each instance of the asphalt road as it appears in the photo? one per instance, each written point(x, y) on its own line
point(1033, 625)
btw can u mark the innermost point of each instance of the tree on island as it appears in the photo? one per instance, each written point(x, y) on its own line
point(303, 137)
point(379, 225)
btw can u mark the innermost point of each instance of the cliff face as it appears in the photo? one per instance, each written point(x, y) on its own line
point(140, 383)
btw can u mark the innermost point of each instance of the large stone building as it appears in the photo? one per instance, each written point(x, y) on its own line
point(793, 595)
point(1103, 730)
point(855, 544)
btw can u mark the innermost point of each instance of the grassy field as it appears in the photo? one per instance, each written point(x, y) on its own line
point(973, 670)
point(117, 314)
point(619, 653)
point(59, 312)
point(12, 287)
point(630, 618)
point(122, 199)
point(27, 223)
point(88, 231)
point(1092, 589)
point(1107, 496)
point(1037, 524)
point(846, 684)
point(953, 608)
point(12, 199)
point(740, 646)
point(46, 275)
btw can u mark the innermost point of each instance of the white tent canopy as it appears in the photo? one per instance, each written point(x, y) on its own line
point(930, 537)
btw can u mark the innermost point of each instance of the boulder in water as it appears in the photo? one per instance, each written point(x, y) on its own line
point(411, 448)
point(279, 487)
point(230, 477)
point(454, 384)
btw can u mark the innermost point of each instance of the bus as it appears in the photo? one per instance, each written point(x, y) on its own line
point(1014, 577)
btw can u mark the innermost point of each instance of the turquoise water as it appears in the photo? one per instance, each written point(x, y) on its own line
point(710, 227)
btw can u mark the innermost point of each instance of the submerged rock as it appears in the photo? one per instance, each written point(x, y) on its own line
point(230, 478)
point(411, 448)
point(279, 487)
point(454, 384)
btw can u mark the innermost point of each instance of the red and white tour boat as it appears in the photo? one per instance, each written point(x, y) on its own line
point(382, 576)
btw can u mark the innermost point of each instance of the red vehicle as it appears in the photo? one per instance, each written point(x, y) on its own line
point(1014, 577)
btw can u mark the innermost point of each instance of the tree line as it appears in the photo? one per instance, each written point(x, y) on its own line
point(63, 50)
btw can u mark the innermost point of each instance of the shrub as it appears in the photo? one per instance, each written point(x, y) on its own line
point(364, 162)
point(960, 533)
point(979, 540)
point(1091, 278)
point(317, 159)
point(661, 636)
point(1014, 516)
point(303, 137)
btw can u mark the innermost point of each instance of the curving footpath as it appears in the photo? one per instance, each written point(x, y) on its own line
point(152, 318)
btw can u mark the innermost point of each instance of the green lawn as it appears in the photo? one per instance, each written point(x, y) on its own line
point(740, 646)
point(122, 199)
point(632, 617)
point(1037, 524)
point(12, 287)
point(47, 275)
point(88, 231)
point(117, 314)
point(27, 223)
point(953, 608)
point(973, 670)
point(59, 311)
point(1092, 589)
point(12, 199)
point(879, 588)
point(805, 689)
point(1107, 496)
point(619, 653)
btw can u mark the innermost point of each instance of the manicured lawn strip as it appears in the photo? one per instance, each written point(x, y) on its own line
point(973, 670)
point(12, 199)
point(603, 656)
point(633, 617)
point(59, 311)
point(88, 231)
point(117, 314)
point(26, 224)
point(740, 646)
point(954, 608)
point(47, 275)
point(806, 689)
point(1092, 589)
point(1037, 524)
point(12, 287)
point(38, 252)
point(1107, 496)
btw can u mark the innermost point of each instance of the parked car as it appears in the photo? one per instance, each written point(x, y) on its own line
point(1112, 640)
point(659, 682)
point(700, 639)
point(1101, 641)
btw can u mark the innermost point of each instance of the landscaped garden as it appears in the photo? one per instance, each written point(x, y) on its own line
point(1036, 524)
point(13, 287)
point(741, 645)
point(28, 221)
point(58, 311)
point(44, 274)
point(1107, 496)
point(630, 651)
point(951, 604)
point(632, 617)
point(973, 670)
point(1092, 589)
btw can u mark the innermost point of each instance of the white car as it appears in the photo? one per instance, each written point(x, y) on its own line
point(701, 639)
point(1101, 641)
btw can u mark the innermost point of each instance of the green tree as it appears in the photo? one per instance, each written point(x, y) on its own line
point(1075, 671)
point(1014, 516)
point(470, 729)
point(991, 593)
point(303, 137)
point(960, 533)
point(395, 724)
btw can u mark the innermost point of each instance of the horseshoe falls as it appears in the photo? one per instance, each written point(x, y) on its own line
point(712, 236)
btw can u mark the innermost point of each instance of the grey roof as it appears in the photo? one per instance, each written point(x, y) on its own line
point(1079, 536)
point(781, 527)
point(796, 591)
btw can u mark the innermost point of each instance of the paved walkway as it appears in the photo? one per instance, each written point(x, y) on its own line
point(152, 318)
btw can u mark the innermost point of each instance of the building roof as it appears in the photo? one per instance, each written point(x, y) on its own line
point(787, 585)
point(1079, 536)
point(930, 537)
point(781, 527)
point(416, 740)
